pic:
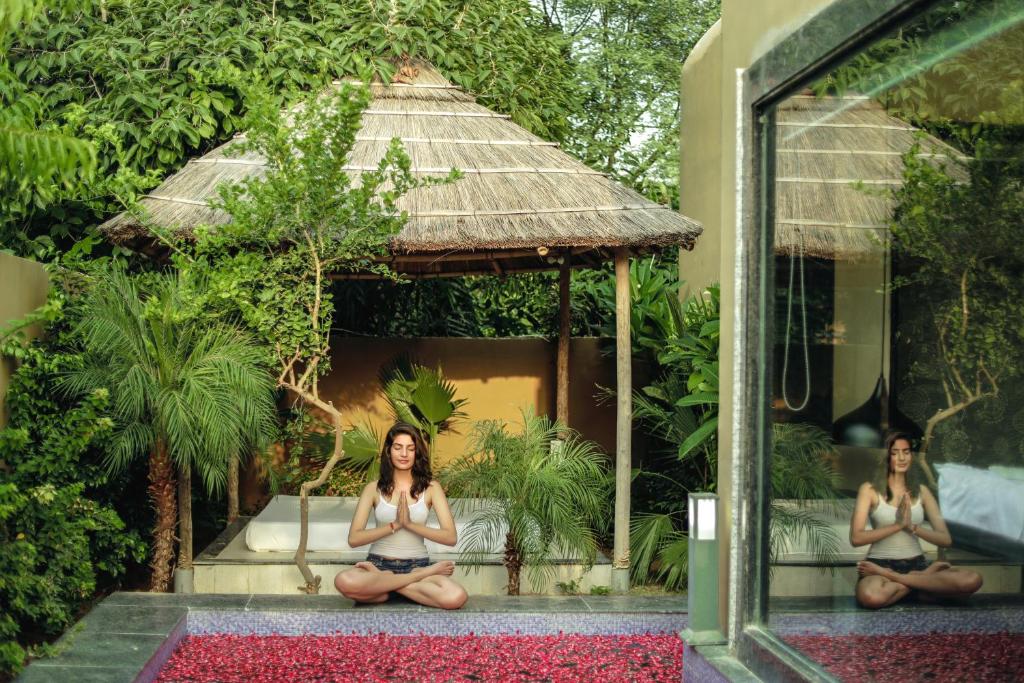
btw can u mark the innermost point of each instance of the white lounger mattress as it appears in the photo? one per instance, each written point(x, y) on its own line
point(982, 499)
point(276, 528)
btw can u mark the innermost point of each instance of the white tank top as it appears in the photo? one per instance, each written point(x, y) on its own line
point(403, 544)
point(901, 545)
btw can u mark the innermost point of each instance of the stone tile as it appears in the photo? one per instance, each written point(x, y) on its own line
point(268, 579)
point(190, 600)
point(637, 603)
point(39, 672)
point(528, 603)
point(231, 579)
point(203, 578)
point(299, 602)
point(104, 650)
point(110, 619)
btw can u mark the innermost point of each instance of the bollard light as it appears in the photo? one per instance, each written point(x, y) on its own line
point(702, 583)
point(703, 516)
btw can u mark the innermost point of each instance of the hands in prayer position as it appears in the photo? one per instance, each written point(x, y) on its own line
point(903, 512)
point(402, 519)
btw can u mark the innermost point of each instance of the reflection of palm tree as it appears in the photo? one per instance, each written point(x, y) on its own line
point(189, 394)
point(803, 470)
point(545, 494)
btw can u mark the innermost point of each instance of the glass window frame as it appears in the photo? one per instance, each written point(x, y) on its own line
point(837, 33)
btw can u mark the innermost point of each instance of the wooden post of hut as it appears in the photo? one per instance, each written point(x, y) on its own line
point(562, 373)
point(623, 422)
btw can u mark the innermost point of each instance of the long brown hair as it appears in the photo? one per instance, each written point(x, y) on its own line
point(421, 476)
point(915, 478)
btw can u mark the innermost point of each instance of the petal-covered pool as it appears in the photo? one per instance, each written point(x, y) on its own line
point(383, 657)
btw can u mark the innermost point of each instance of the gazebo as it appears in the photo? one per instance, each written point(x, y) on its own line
point(523, 205)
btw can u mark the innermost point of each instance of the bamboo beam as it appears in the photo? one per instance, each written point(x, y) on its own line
point(623, 422)
point(483, 270)
point(562, 364)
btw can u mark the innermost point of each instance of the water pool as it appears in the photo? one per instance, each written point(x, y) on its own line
point(143, 637)
point(383, 657)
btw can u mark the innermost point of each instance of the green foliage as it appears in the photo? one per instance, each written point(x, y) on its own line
point(60, 536)
point(200, 389)
point(681, 408)
point(151, 70)
point(962, 239)
point(521, 305)
point(803, 470)
point(959, 62)
point(654, 304)
point(600, 590)
point(628, 54)
point(310, 444)
point(421, 397)
point(548, 494)
point(298, 223)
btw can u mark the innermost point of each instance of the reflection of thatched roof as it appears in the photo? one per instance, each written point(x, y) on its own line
point(519, 192)
point(837, 161)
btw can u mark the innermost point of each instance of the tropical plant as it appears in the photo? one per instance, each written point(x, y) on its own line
point(310, 443)
point(184, 392)
point(627, 56)
point(681, 409)
point(421, 397)
point(803, 473)
point(61, 538)
point(544, 493)
point(654, 306)
point(960, 246)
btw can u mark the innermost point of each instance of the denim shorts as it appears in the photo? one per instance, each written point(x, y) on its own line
point(397, 566)
point(918, 563)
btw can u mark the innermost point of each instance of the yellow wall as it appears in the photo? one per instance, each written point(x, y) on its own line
point(23, 288)
point(709, 179)
point(499, 377)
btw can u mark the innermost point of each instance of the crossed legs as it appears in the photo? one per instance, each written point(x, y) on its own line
point(428, 586)
point(880, 587)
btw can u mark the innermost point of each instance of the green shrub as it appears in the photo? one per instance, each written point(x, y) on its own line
point(60, 538)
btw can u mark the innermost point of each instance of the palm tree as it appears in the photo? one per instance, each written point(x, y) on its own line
point(547, 493)
point(184, 391)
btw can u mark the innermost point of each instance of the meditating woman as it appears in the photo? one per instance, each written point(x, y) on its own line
point(897, 504)
point(400, 500)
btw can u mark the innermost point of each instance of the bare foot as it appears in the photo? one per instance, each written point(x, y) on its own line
point(368, 566)
point(867, 568)
point(443, 568)
point(938, 566)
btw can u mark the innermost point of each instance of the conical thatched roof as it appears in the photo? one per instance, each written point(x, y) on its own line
point(837, 160)
point(519, 193)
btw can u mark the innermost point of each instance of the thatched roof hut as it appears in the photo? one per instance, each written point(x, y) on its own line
point(837, 160)
point(519, 192)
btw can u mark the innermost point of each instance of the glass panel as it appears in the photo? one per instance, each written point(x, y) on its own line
point(898, 356)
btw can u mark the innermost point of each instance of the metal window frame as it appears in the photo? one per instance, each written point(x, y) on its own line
point(835, 34)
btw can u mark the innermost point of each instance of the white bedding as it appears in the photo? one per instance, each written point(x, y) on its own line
point(982, 499)
point(276, 528)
